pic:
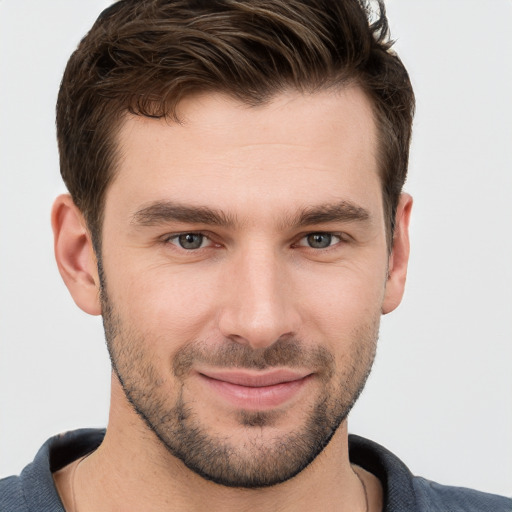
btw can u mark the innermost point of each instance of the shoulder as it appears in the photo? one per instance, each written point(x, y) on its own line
point(34, 489)
point(433, 496)
point(11, 494)
point(404, 492)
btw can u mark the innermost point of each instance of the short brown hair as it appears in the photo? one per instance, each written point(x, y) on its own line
point(144, 56)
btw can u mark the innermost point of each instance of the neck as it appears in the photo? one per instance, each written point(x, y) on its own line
point(132, 466)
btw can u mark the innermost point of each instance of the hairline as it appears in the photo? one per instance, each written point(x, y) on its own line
point(95, 225)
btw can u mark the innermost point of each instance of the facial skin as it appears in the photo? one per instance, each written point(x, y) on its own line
point(244, 270)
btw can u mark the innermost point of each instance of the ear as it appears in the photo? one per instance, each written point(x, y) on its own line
point(399, 258)
point(75, 255)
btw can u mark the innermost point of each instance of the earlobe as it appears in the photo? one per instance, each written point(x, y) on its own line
point(399, 258)
point(74, 254)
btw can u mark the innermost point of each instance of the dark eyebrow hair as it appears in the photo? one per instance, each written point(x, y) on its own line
point(161, 212)
point(165, 211)
point(344, 211)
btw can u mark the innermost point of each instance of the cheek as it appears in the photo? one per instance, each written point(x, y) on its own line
point(162, 301)
point(343, 300)
point(169, 306)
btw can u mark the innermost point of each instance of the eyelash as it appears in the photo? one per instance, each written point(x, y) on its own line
point(175, 237)
point(339, 236)
point(174, 240)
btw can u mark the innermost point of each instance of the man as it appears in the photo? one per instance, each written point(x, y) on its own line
point(236, 216)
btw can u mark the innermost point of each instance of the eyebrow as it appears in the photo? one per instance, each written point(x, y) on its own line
point(161, 212)
point(343, 211)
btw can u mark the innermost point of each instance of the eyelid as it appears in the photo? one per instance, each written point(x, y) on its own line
point(342, 238)
point(169, 238)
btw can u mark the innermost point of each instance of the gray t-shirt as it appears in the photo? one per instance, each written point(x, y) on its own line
point(34, 490)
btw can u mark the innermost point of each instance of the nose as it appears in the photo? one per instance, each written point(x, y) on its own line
point(258, 307)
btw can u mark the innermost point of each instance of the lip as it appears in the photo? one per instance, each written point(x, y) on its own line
point(255, 390)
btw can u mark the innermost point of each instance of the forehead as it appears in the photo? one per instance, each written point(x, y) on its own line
point(225, 154)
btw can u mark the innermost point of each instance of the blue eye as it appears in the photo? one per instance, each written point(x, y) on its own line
point(189, 241)
point(320, 240)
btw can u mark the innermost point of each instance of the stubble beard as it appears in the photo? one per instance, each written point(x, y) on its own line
point(260, 460)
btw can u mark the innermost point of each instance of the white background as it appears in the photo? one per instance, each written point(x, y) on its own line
point(440, 394)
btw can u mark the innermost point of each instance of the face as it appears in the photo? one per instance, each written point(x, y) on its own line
point(244, 270)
